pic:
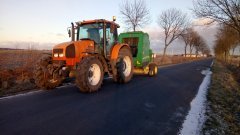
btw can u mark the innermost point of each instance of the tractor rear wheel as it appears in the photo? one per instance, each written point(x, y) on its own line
point(46, 74)
point(89, 74)
point(124, 65)
point(153, 69)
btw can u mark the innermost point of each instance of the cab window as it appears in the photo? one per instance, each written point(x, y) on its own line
point(111, 35)
point(91, 31)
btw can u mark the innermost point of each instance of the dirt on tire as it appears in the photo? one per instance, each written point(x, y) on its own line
point(83, 73)
point(121, 78)
point(44, 72)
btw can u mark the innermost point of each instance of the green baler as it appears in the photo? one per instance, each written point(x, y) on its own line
point(141, 52)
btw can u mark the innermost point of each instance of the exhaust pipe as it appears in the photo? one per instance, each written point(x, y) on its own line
point(73, 32)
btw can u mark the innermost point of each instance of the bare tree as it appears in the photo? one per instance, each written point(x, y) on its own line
point(197, 44)
point(135, 14)
point(173, 22)
point(16, 45)
point(222, 11)
point(221, 50)
point(186, 36)
point(201, 46)
point(226, 39)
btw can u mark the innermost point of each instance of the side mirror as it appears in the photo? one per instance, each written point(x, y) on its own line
point(112, 28)
point(69, 33)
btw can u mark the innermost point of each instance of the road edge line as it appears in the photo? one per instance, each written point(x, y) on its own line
point(21, 94)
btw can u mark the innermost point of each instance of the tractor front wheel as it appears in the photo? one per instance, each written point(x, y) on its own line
point(89, 74)
point(46, 74)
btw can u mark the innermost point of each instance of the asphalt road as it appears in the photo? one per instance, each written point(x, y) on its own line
point(145, 106)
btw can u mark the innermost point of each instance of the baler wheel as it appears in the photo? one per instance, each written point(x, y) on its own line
point(153, 69)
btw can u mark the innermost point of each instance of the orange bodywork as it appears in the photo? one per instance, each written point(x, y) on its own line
point(80, 48)
point(116, 49)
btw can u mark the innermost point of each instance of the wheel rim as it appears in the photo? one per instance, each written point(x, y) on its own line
point(94, 74)
point(156, 69)
point(127, 66)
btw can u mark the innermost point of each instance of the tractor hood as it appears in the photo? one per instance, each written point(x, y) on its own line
point(74, 50)
point(62, 45)
point(78, 44)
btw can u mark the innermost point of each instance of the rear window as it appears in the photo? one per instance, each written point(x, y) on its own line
point(133, 41)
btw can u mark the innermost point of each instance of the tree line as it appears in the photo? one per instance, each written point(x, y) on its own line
point(227, 14)
point(227, 40)
point(174, 22)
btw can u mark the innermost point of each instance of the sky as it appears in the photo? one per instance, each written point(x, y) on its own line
point(44, 22)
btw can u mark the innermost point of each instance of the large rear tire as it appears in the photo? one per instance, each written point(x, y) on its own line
point(46, 74)
point(124, 66)
point(153, 69)
point(89, 76)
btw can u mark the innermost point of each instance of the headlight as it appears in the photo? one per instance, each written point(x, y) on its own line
point(61, 55)
point(55, 54)
point(154, 55)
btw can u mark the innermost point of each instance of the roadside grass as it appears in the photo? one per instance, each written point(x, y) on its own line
point(223, 110)
point(174, 59)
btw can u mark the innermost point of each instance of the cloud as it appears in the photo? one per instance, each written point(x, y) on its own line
point(56, 34)
point(156, 35)
point(54, 37)
point(60, 35)
point(203, 22)
point(208, 33)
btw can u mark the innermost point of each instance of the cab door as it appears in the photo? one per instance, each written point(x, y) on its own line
point(111, 37)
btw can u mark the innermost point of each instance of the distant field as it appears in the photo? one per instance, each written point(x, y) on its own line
point(16, 70)
point(12, 59)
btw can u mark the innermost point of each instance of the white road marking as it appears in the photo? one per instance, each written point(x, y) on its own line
point(212, 63)
point(32, 92)
point(22, 94)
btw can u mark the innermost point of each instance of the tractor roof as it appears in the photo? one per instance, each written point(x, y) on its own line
point(97, 21)
point(134, 33)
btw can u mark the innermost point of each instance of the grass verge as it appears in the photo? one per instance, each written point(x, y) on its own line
point(223, 113)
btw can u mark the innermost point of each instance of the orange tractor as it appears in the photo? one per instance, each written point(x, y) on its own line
point(93, 52)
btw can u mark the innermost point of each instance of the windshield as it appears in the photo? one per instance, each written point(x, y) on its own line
point(91, 31)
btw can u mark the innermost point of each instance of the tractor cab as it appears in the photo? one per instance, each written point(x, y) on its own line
point(102, 32)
